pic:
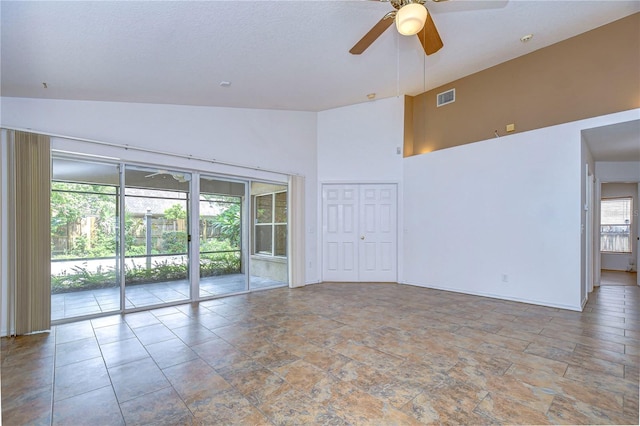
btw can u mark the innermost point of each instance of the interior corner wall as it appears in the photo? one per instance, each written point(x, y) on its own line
point(502, 217)
point(283, 141)
point(589, 75)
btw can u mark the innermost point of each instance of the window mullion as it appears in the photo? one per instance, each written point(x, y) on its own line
point(273, 227)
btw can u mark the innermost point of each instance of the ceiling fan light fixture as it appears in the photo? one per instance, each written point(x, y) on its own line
point(410, 18)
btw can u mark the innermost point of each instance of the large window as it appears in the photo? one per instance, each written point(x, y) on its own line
point(615, 225)
point(270, 232)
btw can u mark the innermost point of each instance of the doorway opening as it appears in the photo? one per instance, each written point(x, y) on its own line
point(618, 234)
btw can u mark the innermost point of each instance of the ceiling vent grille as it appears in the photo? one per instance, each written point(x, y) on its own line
point(447, 97)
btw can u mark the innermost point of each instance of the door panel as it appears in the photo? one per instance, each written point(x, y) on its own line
point(156, 206)
point(340, 232)
point(359, 232)
point(348, 256)
point(369, 258)
point(222, 263)
point(379, 216)
point(85, 264)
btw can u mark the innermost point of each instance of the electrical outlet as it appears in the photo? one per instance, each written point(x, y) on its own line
point(505, 278)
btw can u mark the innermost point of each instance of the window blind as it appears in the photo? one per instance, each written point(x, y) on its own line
point(29, 181)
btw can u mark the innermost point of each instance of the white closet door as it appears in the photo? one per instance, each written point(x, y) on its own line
point(359, 225)
point(378, 236)
point(340, 232)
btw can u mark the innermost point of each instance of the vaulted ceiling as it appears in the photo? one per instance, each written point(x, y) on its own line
point(290, 55)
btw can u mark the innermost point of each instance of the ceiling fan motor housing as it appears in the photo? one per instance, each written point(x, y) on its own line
point(415, 22)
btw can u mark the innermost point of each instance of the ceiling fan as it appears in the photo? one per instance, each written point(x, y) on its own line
point(411, 17)
point(180, 177)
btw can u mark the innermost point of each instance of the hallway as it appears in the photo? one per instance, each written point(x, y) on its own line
point(618, 278)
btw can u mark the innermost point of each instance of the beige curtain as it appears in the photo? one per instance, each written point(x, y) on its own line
point(296, 232)
point(29, 192)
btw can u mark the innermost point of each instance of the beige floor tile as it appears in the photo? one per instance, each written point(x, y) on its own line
point(334, 353)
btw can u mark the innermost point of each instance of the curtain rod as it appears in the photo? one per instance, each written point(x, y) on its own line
point(151, 151)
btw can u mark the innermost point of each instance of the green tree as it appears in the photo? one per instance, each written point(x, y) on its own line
point(134, 226)
point(227, 224)
point(175, 212)
point(174, 242)
point(83, 220)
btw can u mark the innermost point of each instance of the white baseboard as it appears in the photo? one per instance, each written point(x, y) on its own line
point(497, 296)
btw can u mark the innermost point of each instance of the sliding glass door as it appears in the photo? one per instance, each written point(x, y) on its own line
point(122, 235)
point(156, 217)
point(222, 263)
point(85, 274)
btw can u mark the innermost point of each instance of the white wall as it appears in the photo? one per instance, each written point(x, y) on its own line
point(283, 141)
point(358, 143)
point(586, 263)
point(3, 238)
point(618, 171)
point(622, 261)
point(510, 206)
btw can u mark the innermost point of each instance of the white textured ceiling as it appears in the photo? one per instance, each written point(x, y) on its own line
point(276, 54)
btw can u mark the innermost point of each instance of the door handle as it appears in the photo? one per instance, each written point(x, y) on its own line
point(362, 237)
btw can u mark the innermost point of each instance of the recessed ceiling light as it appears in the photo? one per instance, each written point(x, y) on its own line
point(526, 38)
point(225, 84)
point(371, 96)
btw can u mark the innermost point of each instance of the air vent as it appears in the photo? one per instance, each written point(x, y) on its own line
point(446, 97)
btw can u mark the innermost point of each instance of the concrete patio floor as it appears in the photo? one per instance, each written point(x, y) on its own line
point(91, 302)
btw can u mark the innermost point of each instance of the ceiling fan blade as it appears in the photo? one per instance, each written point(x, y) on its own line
point(429, 37)
point(372, 35)
point(158, 172)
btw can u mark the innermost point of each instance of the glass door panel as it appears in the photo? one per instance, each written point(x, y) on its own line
point(269, 266)
point(222, 270)
point(156, 237)
point(84, 238)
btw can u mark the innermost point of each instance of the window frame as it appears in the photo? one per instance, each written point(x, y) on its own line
point(273, 224)
point(628, 225)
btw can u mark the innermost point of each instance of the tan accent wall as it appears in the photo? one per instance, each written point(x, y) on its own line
point(592, 74)
point(407, 149)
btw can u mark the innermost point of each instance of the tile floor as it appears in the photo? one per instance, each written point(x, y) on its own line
point(334, 354)
point(91, 302)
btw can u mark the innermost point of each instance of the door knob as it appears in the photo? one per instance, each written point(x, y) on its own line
point(362, 237)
